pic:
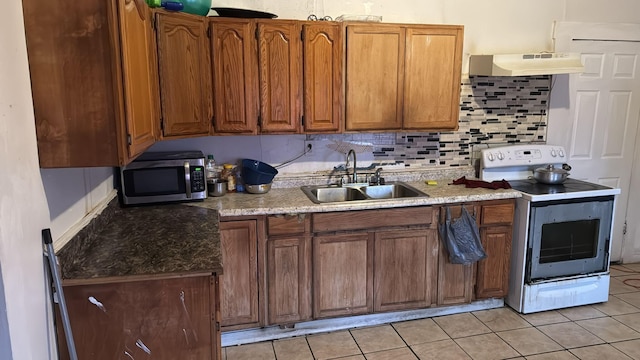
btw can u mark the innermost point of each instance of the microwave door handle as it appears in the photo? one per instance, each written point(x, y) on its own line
point(187, 179)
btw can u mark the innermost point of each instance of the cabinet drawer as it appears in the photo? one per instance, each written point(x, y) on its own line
point(370, 219)
point(497, 214)
point(287, 224)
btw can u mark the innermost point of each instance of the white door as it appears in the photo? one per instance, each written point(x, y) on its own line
point(595, 116)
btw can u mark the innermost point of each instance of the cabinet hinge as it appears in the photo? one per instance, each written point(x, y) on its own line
point(257, 36)
point(153, 23)
point(129, 139)
point(161, 125)
point(624, 228)
point(301, 35)
point(259, 120)
point(217, 325)
point(302, 120)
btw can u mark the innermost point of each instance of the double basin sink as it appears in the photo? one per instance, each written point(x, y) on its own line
point(360, 192)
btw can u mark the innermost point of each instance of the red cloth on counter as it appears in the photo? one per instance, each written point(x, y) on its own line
point(497, 184)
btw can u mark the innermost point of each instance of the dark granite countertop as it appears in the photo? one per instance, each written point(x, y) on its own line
point(158, 240)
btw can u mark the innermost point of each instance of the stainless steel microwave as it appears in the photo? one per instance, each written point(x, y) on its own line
point(156, 177)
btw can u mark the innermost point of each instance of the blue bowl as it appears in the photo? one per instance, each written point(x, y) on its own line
point(256, 172)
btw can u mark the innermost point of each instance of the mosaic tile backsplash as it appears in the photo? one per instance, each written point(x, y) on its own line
point(493, 110)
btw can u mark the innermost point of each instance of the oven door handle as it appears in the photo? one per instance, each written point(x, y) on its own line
point(187, 179)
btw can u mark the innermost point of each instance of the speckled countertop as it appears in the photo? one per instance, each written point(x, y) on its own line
point(292, 200)
point(159, 240)
point(181, 239)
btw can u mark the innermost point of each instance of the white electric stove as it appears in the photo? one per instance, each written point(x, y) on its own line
point(561, 236)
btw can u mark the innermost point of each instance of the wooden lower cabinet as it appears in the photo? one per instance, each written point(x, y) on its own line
point(239, 282)
point(289, 279)
point(342, 274)
point(173, 318)
point(496, 229)
point(489, 277)
point(455, 281)
point(405, 268)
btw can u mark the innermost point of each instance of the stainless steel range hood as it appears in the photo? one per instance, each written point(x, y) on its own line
point(525, 64)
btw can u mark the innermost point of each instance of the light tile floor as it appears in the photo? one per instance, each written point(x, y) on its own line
point(609, 330)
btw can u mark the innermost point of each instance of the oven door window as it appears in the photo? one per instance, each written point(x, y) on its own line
point(154, 181)
point(569, 238)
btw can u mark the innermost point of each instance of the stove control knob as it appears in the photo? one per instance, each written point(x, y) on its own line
point(490, 157)
point(500, 155)
point(553, 152)
point(561, 153)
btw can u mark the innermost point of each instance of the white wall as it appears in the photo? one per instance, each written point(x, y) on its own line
point(23, 208)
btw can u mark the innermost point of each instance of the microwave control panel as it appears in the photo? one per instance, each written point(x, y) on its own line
point(197, 179)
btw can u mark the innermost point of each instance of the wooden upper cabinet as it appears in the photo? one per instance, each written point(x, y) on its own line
point(322, 73)
point(185, 74)
point(433, 66)
point(374, 77)
point(76, 81)
point(403, 77)
point(235, 75)
point(140, 75)
point(280, 77)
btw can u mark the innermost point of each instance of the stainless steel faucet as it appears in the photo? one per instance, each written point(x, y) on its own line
point(355, 176)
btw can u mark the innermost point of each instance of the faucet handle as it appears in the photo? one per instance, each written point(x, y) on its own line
point(376, 179)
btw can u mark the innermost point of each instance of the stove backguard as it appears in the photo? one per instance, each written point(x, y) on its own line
point(568, 237)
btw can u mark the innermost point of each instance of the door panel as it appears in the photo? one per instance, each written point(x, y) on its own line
point(598, 121)
point(140, 76)
point(279, 58)
point(235, 76)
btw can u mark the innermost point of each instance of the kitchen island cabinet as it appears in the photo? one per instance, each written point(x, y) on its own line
point(403, 77)
point(147, 291)
point(158, 318)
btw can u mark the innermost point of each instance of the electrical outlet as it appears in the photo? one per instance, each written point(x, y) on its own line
point(308, 147)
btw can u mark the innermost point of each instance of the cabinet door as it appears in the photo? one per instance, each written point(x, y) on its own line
point(74, 69)
point(493, 271)
point(239, 282)
point(374, 85)
point(280, 63)
point(455, 281)
point(289, 279)
point(185, 74)
point(405, 268)
point(342, 274)
point(140, 77)
point(170, 317)
point(323, 103)
point(433, 65)
point(235, 76)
